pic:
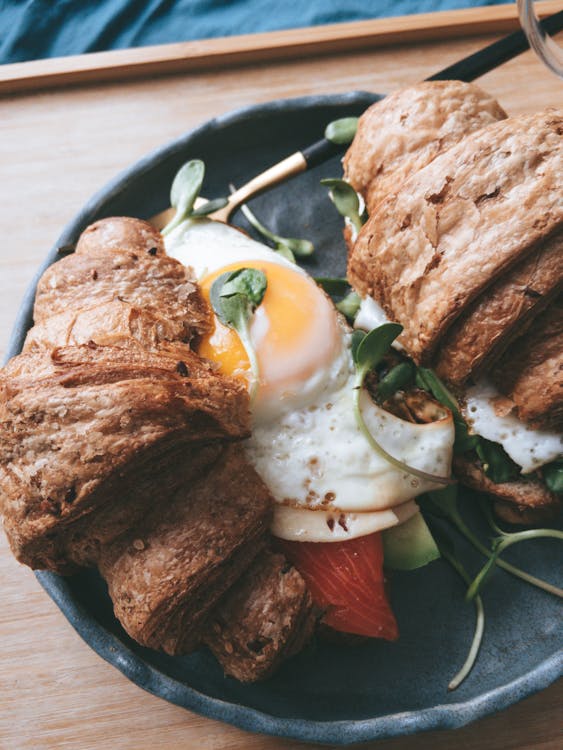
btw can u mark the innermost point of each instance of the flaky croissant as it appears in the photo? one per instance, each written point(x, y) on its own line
point(120, 448)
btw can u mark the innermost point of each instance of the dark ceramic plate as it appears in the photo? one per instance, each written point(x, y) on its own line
point(328, 693)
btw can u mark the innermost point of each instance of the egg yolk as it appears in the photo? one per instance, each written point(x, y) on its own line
point(294, 331)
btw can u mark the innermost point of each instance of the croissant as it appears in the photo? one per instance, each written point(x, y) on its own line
point(455, 226)
point(120, 448)
point(166, 573)
point(157, 285)
point(501, 314)
point(463, 248)
point(266, 617)
point(78, 423)
point(530, 372)
point(404, 132)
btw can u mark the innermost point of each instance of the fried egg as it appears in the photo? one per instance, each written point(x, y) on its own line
point(529, 448)
point(327, 480)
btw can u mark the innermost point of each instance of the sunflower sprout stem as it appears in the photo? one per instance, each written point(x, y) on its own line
point(475, 645)
point(457, 521)
point(289, 247)
point(471, 658)
point(253, 221)
point(486, 508)
point(378, 448)
point(503, 543)
point(244, 334)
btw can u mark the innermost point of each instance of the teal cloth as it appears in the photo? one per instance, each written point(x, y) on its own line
point(34, 29)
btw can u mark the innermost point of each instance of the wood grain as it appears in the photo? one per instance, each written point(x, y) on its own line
point(249, 49)
point(56, 149)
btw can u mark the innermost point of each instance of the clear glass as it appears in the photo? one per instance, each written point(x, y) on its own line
point(544, 46)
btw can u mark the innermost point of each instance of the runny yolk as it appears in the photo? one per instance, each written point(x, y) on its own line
point(294, 331)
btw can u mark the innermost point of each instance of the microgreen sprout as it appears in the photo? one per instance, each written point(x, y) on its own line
point(346, 201)
point(395, 380)
point(349, 305)
point(367, 351)
point(234, 296)
point(286, 253)
point(184, 193)
point(289, 247)
point(500, 544)
point(496, 463)
point(209, 207)
point(342, 131)
point(336, 286)
point(553, 476)
point(443, 504)
point(447, 551)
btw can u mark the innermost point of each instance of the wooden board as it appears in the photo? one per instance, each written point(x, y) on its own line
point(248, 49)
point(56, 149)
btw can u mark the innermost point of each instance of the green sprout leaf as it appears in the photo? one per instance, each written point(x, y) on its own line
point(286, 253)
point(553, 476)
point(367, 352)
point(395, 380)
point(497, 464)
point(300, 248)
point(374, 346)
point(248, 282)
point(346, 201)
point(209, 207)
point(234, 297)
point(284, 245)
point(184, 191)
point(350, 305)
point(341, 131)
point(429, 381)
point(336, 286)
point(357, 338)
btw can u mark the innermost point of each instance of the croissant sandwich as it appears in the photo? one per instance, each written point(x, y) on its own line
point(463, 248)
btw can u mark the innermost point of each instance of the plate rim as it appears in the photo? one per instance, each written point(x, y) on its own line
point(146, 676)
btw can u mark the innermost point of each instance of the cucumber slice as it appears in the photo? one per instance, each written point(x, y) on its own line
point(409, 545)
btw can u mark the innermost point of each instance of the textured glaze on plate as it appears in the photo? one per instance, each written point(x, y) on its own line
point(327, 693)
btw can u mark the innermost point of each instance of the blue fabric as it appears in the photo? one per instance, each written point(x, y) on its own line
point(33, 29)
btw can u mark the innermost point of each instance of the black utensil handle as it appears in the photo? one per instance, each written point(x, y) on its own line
point(494, 54)
point(319, 152)
point(467, 70)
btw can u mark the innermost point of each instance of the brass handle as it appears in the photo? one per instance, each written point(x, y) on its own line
point(283, 170)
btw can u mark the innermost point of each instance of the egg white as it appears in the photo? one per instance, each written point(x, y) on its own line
point(529, 448)
point(207, 245)
point(328, 481)
point(317, 457)
point(370, 316)
point(301, 524)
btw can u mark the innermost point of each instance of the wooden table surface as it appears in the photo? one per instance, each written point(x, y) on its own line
point(56, 149)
